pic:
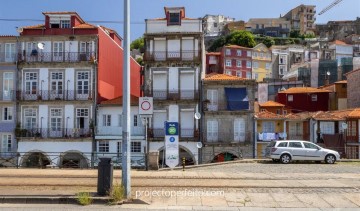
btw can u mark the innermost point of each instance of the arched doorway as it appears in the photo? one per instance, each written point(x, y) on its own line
point(225, 156)
point(35, 160)
point(73, 160)
point(183, 153)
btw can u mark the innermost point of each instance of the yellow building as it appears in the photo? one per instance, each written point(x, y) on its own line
point(261, 62)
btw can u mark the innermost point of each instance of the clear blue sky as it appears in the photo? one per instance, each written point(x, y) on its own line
point(112, 10)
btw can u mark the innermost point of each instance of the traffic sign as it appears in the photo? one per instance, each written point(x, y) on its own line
point(145, 105)
point(172, 144)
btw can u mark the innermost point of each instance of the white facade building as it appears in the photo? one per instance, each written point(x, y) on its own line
point(214, 24)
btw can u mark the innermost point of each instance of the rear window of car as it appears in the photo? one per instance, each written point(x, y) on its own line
point(295, 145)
point(282, 144)
point(272, 144)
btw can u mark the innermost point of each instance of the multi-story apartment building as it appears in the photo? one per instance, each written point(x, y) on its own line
point(236, 60)
point(338, 30)
point(302, 18)
point(65, 67)
point(173, 68)
point(228, 103)
point(274, 27)
point(8, 55)
point(261, 62)
point(214, 24)
point(213, 62)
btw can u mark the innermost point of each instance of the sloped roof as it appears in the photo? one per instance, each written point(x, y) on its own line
point(65, 13)
point(213, 53)
point(355, 113)
point(85, 26)
point(268, 115)
point(299, 116)
point(352, 71)
point(328, 115)
point(296, 90)
point(341, 82)
point(339, 42)
point(271, 104)
point(237, 46)
point(223, 77)
point(39, 26)
point(134, 101)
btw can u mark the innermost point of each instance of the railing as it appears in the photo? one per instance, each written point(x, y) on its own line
point(117, 131)
point(53, 132)
point(183, 133)
point(226, 137)
point(7, 95)
point(175, 95)
point(221, 106)
point(172, 56)
point(55, 95)
point(7, 57)
point(38, 56)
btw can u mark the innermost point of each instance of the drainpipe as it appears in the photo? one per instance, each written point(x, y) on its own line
point(255, 138)
point(95, 93)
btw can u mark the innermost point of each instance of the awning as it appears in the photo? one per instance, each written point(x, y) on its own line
point(237, 99)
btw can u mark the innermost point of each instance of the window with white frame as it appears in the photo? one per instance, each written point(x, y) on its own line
point(31, 49)
point(327, 127)
point(248, 75)
point(212, 130)
point(238, 52)
point(261, 55)
point(58, 49)
point(8, 85)
point(9, 52)
point(106, 120)
point(228, 52)
point(228, 63)
point(30, 117)
point(120, 119)
point(82, 80)
point(314, 97)
point(82, 118)
point(6, 143)
point(248, 53)
point(238, 63)
point(31, 82)
point(268, 127)
point(65, 24)
point(85, 50)
point(282, 59)
point(267, 66)
point(290, 98)
point(136, 119)
point(255, 65)
point(238, 73)
point(7, 114)
point(57, 83)
point(228, 72)
point(255, 54)
point(248, 64)
point(282, 70)
point(103, 146)
point(135, 146)
point(55, 119)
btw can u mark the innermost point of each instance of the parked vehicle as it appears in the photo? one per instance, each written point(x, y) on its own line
point(287, 150)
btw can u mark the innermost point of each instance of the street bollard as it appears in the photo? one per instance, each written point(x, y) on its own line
point(183, 163)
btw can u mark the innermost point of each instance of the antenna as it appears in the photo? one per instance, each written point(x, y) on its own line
point(328, 73)
point(199, 145)
point(197, 115)
point(41, 46)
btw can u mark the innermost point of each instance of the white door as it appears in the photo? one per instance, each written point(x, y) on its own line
point(212, 131)
point(187, 123)
point(56, 122)
point(9, 52)
point(212, 96)
point(187, 84)
point(6, 143)
point(239, 130)
point(160, 50)
point(8, 84)
point(58, 51)
point(159, 86)
point(56, 85)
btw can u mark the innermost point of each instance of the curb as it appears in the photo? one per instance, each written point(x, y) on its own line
point(48, 200)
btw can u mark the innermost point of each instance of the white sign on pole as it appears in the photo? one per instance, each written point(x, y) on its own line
point(145, 105)
point(171, 144)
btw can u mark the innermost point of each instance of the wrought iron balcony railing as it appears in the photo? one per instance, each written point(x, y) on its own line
point(226, 137)
point(172, 56)
point(173, 95)
point(38, 56)
point(224, 106)
point(7, 95)
point(184, 133)
point(53, 132)
point(55, 95)
point(117, 131)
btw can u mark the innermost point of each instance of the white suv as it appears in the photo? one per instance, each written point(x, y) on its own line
point(287, 150)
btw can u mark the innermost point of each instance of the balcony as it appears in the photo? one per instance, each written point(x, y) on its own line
point(220, 106)
point(172, 56)
point(184, 133)
point(226, 137)
point(6, 57)
point(36, 56)
point(50, 95)
point(178, 95)
point(53, 133)
point(7, 95)
point(117, 131)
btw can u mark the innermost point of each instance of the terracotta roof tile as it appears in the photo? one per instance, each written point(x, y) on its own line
point(294, 90)
point(299, 116)
point(237, 46)
point(39, 26)
point(271, 104)
point(134, 101)
point(213, 53)
point(268, 115)
point(223, 77)
point(330, 115)
point(355, 113)
point(352, 71)
point(338, 42)
point(85, 26)
point(341, 82)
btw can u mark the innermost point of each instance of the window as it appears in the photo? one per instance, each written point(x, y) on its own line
point(255, 65)
point(255, 54)
point(82, 118)
point(65, 24)
point(256, 76)
point(248, 53)
point(58, 49)
point(277, 111)
point(120, 120)
point(267, 66)
point(106, 120)
point(103, 146)
point(215, 24)
point(268, 127)
point(30, 118)
point(7, 113)
point(174, 18)
point(83, 82)
point(85, 51)
point(248, 75)
point(228, 52)
point(136, 146)
point(263, 110)
point(9, 52)
point(261, 55)
point(212, 130)
point(55, 122)
point(6, 143)
point(238, 52)
point(282, 59)
point(290, 98)
point(327, 127)
point(8, 85)
point(238, 74)
point(248, 64)
point(310, 145)
point(295, 145)
point(314, 97)
point(282, 144)
point(228, 63)
point(228, 72)
point(31, 82)
point(284, 112)
point(282, 70)
point(238, 63)
point(57, 83)
point(136, 119)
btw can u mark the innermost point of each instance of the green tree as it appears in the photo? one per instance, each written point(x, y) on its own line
point(218, 43)
point(240, 37)
point(268, 41)
point(137, 44)
point(294, 33)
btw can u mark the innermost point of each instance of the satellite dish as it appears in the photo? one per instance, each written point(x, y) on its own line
point(199, 145)
point(19, 30)
point(197, 115)
point(328, 73)
point(41, 46)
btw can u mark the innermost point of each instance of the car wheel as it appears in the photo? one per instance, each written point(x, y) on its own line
point(285, 158)
point(330, 159)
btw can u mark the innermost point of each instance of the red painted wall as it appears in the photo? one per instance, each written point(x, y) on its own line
point(303, 102)
point(110, 69)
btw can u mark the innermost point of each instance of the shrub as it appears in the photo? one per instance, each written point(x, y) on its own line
point(84, 198)
point(117, 193)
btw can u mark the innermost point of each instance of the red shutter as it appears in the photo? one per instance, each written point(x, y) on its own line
point(180, 18)
point(168, 18)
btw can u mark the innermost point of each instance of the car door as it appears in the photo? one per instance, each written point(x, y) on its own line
point(297, 150)
point(313, 151)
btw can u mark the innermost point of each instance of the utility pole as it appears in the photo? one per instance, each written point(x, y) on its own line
point(126, 140)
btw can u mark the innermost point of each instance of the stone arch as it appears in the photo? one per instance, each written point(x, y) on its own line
point(73, 159)
point(183, 152)
point(224, 156)
point(35, 159)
